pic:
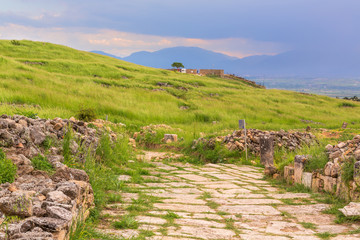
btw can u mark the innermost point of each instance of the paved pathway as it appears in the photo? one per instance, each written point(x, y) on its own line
point(222, 201)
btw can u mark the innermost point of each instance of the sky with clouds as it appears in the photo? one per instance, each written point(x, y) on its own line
point(234, 27)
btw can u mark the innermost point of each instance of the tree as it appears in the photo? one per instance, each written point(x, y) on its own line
point(177, 65)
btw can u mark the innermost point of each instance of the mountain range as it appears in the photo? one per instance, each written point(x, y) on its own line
point(294, 63)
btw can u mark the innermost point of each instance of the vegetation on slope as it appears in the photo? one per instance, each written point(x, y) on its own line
point(57, 81)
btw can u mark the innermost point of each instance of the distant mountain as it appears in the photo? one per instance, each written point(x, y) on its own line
point(106, 54)
point(191, 57)
point(289, 64)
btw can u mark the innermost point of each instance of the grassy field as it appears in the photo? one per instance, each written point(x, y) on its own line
point(56, 81)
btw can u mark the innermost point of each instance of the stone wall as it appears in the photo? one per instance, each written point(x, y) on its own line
point(330, 178)
point(46, 205)
point(216, 72)
point(191, 71)
point(282, 139)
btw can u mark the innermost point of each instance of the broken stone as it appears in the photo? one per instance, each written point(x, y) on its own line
point(307, 179)
point(49, 224)
point(288, 173)
point(70, 189)
point(357, 173)
point(327, 169)
point(299, 163)
point(352, 209)
point(37, 136)
point(58, 212)
point(169, 138)
point(17, 205)
point(58, 196)
point(267, 150)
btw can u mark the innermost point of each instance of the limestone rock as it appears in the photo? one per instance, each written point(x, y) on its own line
point(18, 205)
point(37, 135)
point(49, 224)
point(169, 138)
point(328, 168)
point(58, 212)
point(357, 173)
point(307, 179)
point(58, 196)
point(70, 189)
point(66, 173)
point(352, 209)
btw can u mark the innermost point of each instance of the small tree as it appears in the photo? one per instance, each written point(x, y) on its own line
point(177, 65)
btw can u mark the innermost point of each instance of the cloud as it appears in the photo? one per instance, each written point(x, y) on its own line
point(124, 43)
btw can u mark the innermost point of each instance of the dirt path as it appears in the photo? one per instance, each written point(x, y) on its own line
point(225, 201)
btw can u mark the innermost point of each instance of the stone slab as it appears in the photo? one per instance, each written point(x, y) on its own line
point(183, 207)
point(250, 209)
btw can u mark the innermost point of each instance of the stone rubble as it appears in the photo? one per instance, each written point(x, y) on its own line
point(282, 139)
point(47, 205)
point(329, 178)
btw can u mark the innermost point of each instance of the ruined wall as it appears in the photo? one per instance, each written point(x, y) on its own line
point(330, 179)
point(47, 205)
point(216, 72)
point(191, 71)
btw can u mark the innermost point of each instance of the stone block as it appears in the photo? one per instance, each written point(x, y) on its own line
point(329, 184)
point(169, 138)
point(357, 173)
point(327, 169)
point(299, 164)
point(288, 173)
point(335, 170)
point(307, 179)
point(352, 209)
point(267, 150)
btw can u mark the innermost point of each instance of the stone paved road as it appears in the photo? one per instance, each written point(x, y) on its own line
point(222, 201)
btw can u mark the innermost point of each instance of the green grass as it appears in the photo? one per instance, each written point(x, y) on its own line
point(126, 222)
point(308, 225)
point(40, 162)
point(124, 92)
point(325, 235)
point(7, 169)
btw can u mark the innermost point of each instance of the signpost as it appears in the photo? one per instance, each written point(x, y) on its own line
point(242, 125)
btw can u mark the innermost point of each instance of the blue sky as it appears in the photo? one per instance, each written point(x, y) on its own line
point(235, 27)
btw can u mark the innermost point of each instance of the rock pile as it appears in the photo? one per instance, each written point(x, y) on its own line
point(236, 140)
point(344, 150)
point(46, 205)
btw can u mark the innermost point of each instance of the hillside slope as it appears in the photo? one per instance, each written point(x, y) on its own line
point(57, 81)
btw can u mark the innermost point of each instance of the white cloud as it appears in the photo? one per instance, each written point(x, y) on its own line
point(123, 43)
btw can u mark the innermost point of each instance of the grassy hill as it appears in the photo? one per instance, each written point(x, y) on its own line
point(57, 81)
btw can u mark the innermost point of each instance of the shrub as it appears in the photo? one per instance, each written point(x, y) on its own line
point(347, 104)
point(7, 169)
point(41, 163)
point(347, 170)
point(15, 42)
point(86, 114)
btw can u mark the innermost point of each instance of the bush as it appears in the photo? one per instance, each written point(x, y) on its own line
point(86, 114)
point(15, 42)
point(41, 163)
point(347, 170)
point(7, 169)
point(347, 104)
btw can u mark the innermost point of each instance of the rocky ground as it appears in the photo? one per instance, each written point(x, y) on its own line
point(216, 201)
